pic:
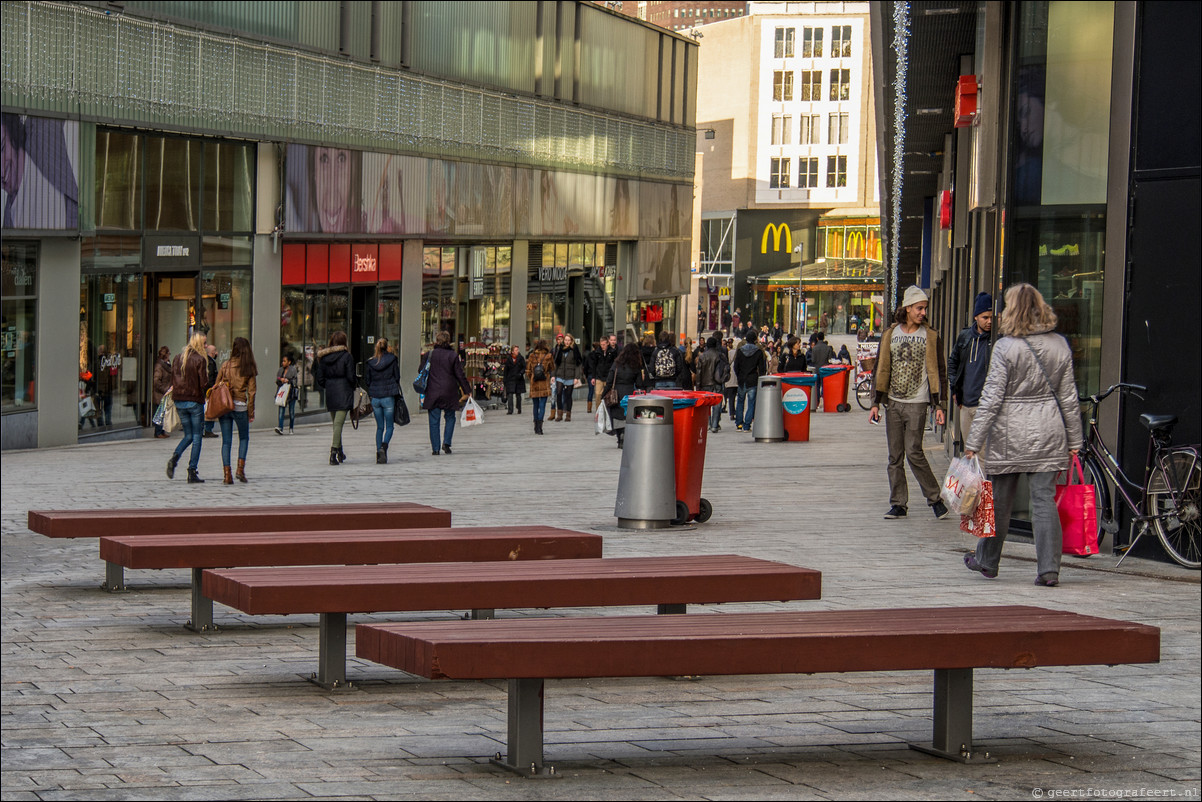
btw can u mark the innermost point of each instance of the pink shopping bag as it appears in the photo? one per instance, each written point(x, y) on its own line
point(1078, 512)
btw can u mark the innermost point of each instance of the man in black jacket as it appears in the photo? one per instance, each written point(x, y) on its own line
point(968, 362)
point(750, 364)
point(666, 366)
point(211, 353)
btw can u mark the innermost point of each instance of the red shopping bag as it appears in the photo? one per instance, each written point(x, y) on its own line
point(981, 523)
point(1078, 512)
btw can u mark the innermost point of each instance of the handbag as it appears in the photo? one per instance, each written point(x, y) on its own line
point(1078, 512)
point(219, 402)
point(423, 378)
point(171, 420)
point(962, 486)
point(611, 396)
point(982, 522)
point(400, 412)
point(360, 407)
point(282, 394)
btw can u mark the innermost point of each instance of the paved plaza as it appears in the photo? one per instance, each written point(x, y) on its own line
point(108, 696)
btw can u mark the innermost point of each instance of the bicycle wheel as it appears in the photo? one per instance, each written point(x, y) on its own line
point(1173, 492)
point(1094, 475)
point(864, 393)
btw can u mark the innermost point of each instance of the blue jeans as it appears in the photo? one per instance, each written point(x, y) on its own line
point(227, 422)
point(192, 416)
point(383, 409)
point(450, 415)
point(540, 407)
point(291, 408)
point(745, 414)
point(716, 409)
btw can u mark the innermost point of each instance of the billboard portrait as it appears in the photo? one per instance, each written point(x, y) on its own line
point(324, 190)
point(39, 172)
point(394, 194)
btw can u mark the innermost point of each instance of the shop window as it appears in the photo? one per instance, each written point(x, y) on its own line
point(779, 178)
point(115, 371)
point(225, 304)
point(811, 42)
point(782, 85)
point(173, 184)
point(811, 85)
point(18, 324)
point(228, 186)
point(118, 201)
point(840, 85)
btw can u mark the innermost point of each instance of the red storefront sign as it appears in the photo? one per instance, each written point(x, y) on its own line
point(365, 263)
point(340, 263)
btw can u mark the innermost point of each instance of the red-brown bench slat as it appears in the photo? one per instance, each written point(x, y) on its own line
point(334, 591)
point(295, 518)
point(950, 641)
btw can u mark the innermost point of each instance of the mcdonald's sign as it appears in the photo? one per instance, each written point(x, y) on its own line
point(854, 249)
point(776, 231)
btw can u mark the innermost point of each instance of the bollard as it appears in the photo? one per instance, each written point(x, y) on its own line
point(647, 482)
point(768, 426)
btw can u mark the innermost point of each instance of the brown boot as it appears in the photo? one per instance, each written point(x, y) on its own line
point(590, 408)
point(240, 474)
point(227, 480)
point(567, 416)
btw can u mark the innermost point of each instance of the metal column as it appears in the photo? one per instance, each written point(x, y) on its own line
point(202, 607)
point(331, 651)
point(953, 718)
point(525, 741)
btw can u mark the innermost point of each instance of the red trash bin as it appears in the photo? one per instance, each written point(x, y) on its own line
point(834, 387)
point(797, 397)
point(690, 427)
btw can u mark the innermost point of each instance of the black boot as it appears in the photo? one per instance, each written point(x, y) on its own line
point(380, 458)
point(538, 427)
point(341, 455)
point(334, 457)
point(171, 463)
point(194, 477)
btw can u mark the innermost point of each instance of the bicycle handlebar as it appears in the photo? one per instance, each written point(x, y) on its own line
point(1135, 388)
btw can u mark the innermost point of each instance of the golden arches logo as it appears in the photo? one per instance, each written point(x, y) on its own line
point(854, 247)
point(776, 231)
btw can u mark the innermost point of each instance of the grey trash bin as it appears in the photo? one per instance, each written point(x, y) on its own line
point(647, 482)
point(768, 426)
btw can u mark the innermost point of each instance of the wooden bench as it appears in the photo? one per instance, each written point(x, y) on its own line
point(171, 521)
point(368, 547)
point(950, 641)
point(672, 583)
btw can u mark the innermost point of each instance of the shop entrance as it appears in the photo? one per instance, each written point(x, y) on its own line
point(364, 324)
point(172, 315)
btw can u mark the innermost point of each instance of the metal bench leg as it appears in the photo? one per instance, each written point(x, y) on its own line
point(525, 743)
point(331, 651)
point(672, 609)
point(953, 718)
point(202, 607)
point(114, 577)
point(483, 614)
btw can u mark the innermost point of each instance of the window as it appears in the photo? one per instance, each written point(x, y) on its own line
point(18, 321)
point(782, 130)
point(780, 174)
point(811, 42)
point(782, 85)
point(837, 129)
point(836, 171)
point(784, 42)
point(840, 85)
point(811, 85)
point(807, 175)
point(841, 41)
point(810, 129)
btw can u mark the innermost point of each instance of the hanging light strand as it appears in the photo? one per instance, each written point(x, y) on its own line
point(901, 44)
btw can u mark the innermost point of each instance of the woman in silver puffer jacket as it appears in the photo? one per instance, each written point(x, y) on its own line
point(1029, 422)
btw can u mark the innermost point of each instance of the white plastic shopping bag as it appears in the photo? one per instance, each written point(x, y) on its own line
point(961, 490)
point(472, 414)
point(602, 420)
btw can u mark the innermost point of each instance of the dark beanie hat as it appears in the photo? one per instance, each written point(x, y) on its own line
point(984, 303)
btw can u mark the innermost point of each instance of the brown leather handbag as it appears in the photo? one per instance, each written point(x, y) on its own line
point(219, 402)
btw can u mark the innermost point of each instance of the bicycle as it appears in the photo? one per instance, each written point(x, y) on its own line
point(865, 392)
point(1168, 502)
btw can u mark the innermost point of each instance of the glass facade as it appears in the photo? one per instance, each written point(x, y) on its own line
point(18, 324)
point(570, 289)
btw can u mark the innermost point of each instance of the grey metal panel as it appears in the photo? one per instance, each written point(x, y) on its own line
point(390, 34)
point(359, 39)
point(272, 19)
point(481, 42)
point(318, 24)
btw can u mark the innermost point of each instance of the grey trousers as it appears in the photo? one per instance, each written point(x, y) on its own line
point(1045, 521)
point(904, 427)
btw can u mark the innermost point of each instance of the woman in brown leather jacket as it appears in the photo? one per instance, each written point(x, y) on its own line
point(239, 373)
point(189, 379)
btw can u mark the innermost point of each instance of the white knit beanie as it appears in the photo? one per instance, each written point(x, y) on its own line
point(914, 295)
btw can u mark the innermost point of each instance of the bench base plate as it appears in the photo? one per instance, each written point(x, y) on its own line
point(968, 756)
point(533, 772)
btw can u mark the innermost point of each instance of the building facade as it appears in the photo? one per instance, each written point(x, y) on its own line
point(790, 229)
point(282, 171)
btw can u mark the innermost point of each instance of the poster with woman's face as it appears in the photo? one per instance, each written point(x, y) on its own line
point(39, 172)
point(323, 193)
point(394, 194)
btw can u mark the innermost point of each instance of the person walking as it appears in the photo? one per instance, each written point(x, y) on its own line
point(160, 384)
point(287, 375)
point(627, 375)
point(666, 364)
point(569, 373)
point(238, 372)
point(713, 368)
point(383, 386)
point(794, 358)
point(540, 369)
point(554, 402)
point(446, 390)
point(1027, 424)
point(731, 389)
point(189, 375)
point(211, 356)
point(514, 377)
point(750, 364)
point(968, 363)
point(334, 372)
point(911, 377)
point(592, 364)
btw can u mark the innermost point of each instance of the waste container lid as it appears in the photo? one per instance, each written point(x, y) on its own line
point(677, 402)
point(830, 370)
point(797, 378)
point(700, 398)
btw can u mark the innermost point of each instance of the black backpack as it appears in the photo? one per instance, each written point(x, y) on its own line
point(539, 373)
point(665, 364)
point(721, 370)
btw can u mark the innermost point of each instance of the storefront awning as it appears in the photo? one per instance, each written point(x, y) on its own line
point(825, 274)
